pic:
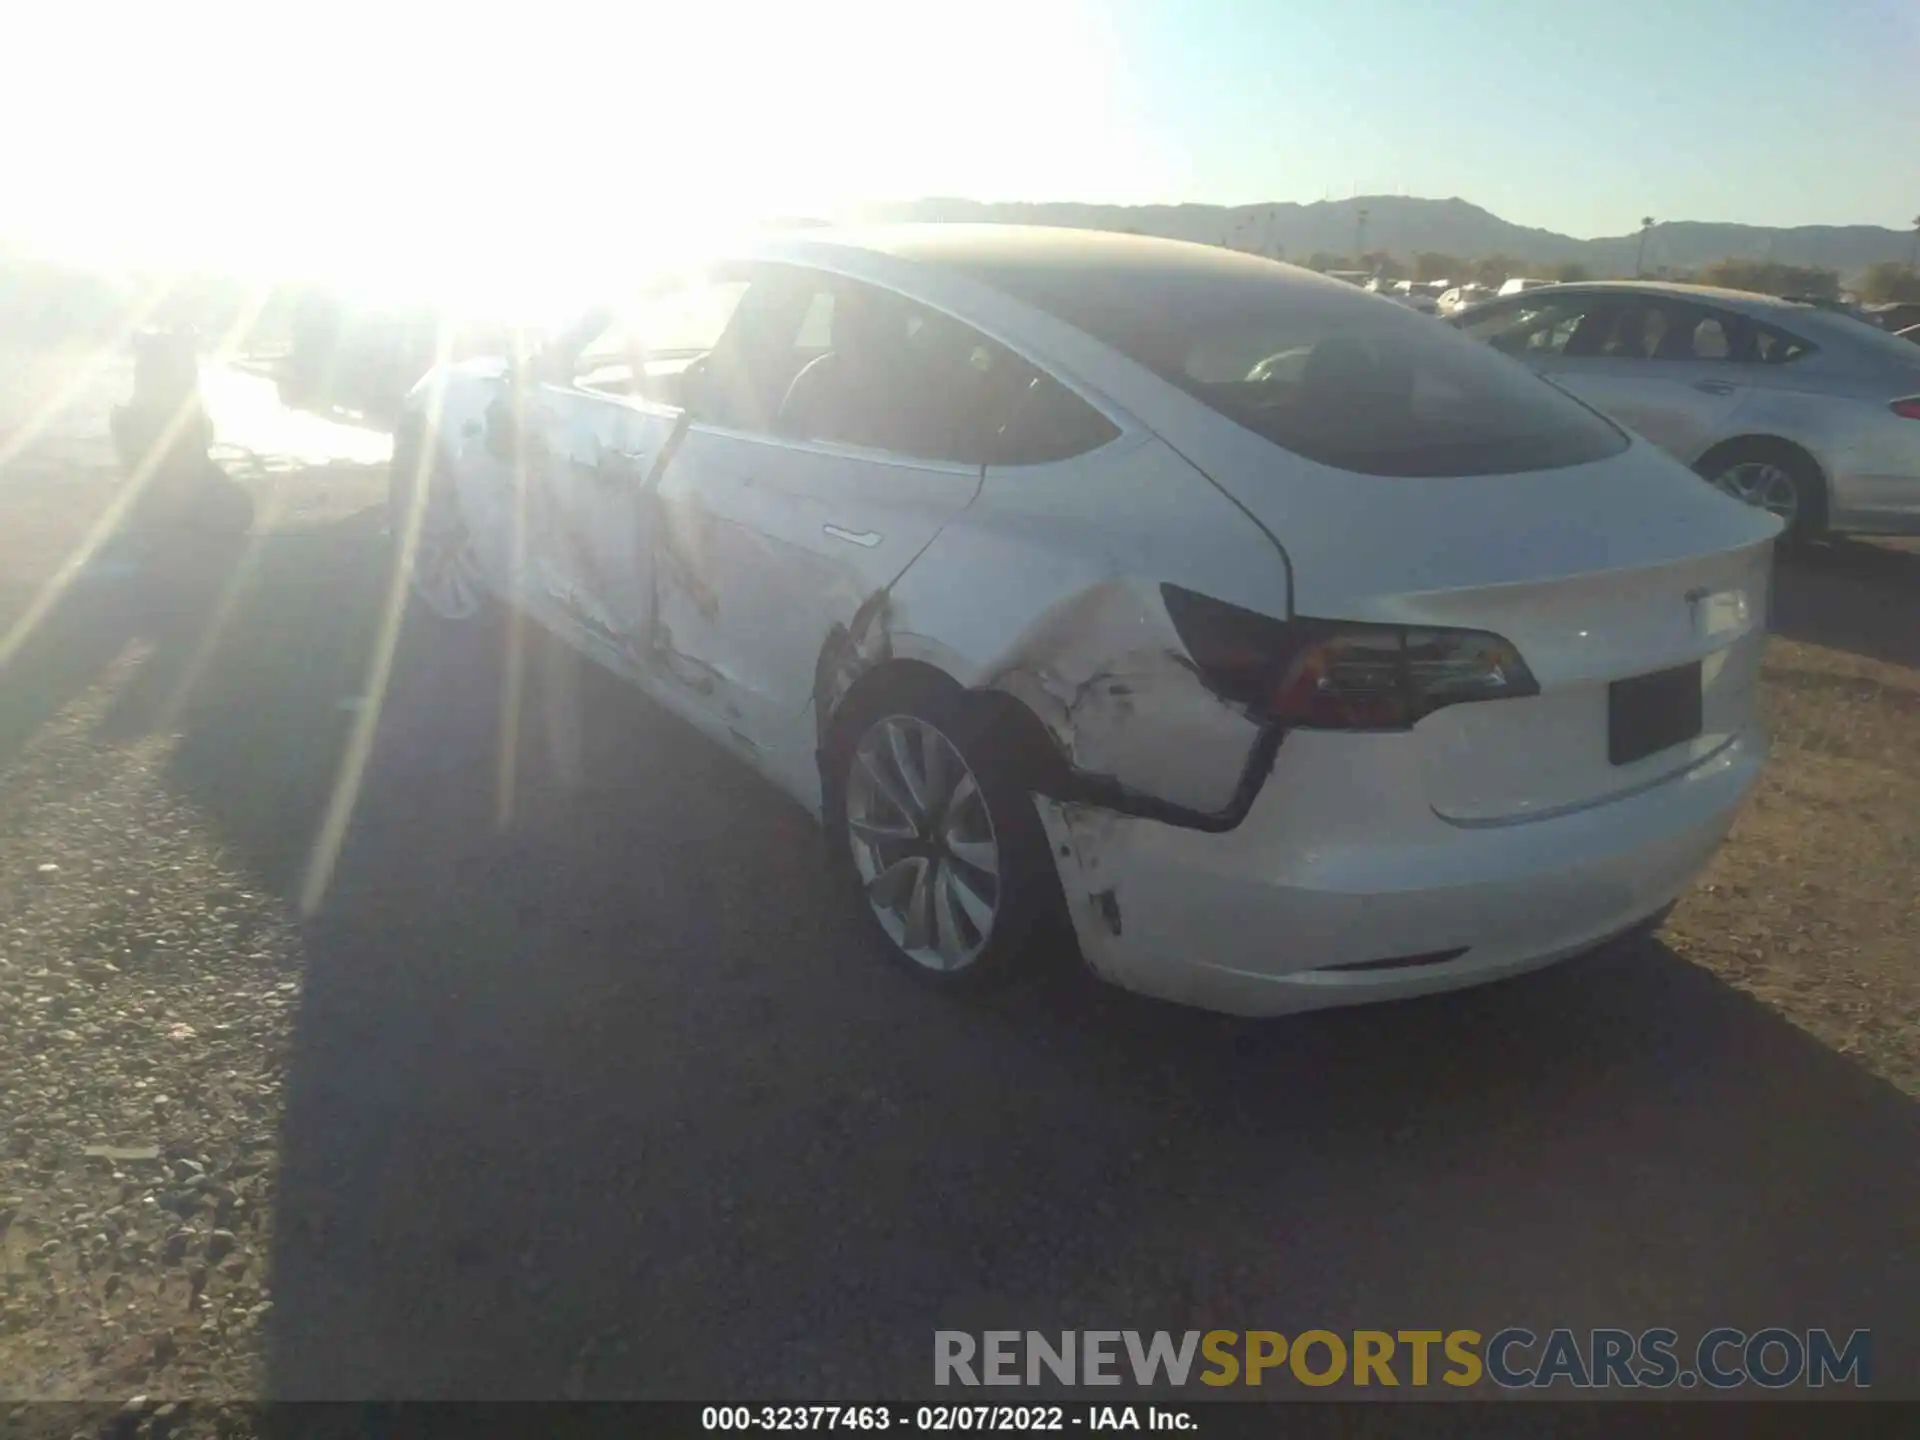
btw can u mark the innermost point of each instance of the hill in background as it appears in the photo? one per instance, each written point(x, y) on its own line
point(1404, 225)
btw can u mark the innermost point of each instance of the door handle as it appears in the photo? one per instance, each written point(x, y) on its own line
point(1715, 387)
point(865, 538)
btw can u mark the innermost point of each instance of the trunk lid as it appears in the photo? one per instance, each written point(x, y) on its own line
point(1597, 573)
point(1542, 754)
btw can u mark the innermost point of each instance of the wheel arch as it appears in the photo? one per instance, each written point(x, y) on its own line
point(859, 663)
point(1014, 726)
point(1818, 511)
point(1759, 439)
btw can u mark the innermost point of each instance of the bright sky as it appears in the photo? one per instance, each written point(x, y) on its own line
point(408, 144)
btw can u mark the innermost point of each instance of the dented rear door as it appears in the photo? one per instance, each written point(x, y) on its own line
point(769, 548)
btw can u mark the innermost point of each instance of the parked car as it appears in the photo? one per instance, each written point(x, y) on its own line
point(1402, 291)
point(1300, 652)
point(1804, 411)
point(1896, 316)
point(1520, 284)
point(1461, 296)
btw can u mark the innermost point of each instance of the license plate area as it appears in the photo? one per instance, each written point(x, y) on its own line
point(1651, 713)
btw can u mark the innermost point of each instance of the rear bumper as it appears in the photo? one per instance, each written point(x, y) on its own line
point(1342, 863)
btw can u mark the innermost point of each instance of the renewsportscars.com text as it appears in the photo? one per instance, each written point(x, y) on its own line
point(1772, 1358)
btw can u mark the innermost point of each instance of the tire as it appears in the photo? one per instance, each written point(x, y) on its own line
point(1772, 477)
point(980, 852)
point(443, 574)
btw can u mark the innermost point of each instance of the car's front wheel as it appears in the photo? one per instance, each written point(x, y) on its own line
point(935, 835)
point(443, 574)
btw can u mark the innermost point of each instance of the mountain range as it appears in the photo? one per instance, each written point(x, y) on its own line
point(1403, 225)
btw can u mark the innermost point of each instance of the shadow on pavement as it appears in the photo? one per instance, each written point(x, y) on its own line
point(1854, 596)
point(616, 1102)
point(280, 617)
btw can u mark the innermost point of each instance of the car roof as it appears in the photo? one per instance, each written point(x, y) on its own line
point(982, 249)
point(1746, 300)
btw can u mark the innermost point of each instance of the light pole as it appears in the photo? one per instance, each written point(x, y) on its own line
point(1640, 255)
point(1913, 255)
point(1360, 238)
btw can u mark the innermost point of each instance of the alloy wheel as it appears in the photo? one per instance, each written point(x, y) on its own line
point(923, 843)
point(1764, 485)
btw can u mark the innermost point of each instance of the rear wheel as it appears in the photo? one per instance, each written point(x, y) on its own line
point(1775, 478)
point(935, 835)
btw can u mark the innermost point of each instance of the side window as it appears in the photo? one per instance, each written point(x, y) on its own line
point(1048, 422)
point(1710, 339)
point(612, 361)
point(1775, 347)
point(1736, 339)
point(891, 375)
point(1690, 333)
point(1637, 332)
point(644, 348)
point(688, 322)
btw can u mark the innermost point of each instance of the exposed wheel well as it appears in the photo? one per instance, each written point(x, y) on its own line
point(1011, 723)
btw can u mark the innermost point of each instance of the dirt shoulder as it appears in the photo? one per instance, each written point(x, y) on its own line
point(1813, 904)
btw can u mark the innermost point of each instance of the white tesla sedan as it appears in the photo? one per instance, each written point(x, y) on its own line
point(1303, 651)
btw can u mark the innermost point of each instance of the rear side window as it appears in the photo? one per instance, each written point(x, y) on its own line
point(1847, 339)
point(1709, 340)
point(1718, 335)
point(1342, 378)
point(1048, 422)
point(1771, 347)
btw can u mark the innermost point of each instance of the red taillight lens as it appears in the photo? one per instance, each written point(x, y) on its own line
point(1327, 675)
point(1351, 679)
point(1908, 409)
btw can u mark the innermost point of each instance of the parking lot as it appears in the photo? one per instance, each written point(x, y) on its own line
point(595, 1090)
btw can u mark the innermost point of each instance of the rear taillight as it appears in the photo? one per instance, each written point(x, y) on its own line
point(1908, 409)
point(1331, 675)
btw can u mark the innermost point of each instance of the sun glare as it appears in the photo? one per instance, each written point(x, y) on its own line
point(414, 152)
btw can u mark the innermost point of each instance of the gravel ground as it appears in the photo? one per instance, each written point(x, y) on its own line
point(147, 977)
point(145, 991)
point(600, 1095)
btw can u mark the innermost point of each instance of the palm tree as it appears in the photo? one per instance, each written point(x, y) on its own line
point(1646, 224)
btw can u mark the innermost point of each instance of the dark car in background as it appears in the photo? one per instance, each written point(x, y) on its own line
point(1896, 315)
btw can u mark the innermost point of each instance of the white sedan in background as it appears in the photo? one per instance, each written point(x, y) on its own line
point(1459, 297)
point(1799, 408)
point(1298, 651)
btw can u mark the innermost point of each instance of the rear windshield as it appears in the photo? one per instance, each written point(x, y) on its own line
point(1340, 377)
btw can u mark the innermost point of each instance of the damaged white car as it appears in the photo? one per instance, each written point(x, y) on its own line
point(1302, 651)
